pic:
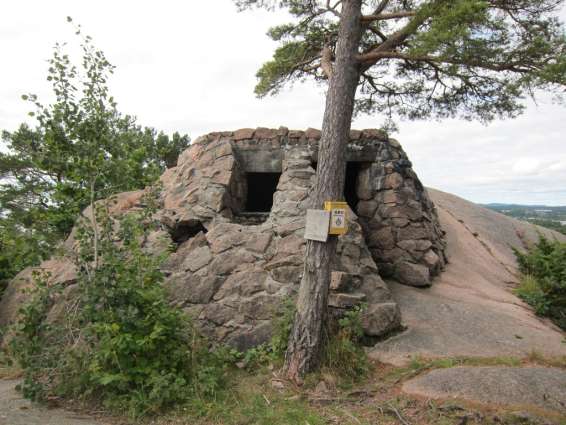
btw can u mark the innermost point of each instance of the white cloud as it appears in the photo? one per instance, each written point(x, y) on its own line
point(526, 166)
point(190, 66)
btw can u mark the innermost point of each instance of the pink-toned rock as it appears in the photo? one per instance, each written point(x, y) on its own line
point(393, 181)
point(374, 134)
point(355, 134)
point(382, 238)
point(260, 243)
point(243, 134)
point(265, 133)
point(57, 271)
point(340, 281)
point(291, 244)
point(312, 133)
point(345, 301)
point(395, 143)
point(412, 274)
point(367, 208)
point(296, 134)
point(381, 319)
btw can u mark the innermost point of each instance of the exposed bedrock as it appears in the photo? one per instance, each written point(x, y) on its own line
point(234, 208)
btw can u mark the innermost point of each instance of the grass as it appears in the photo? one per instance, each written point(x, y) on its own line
point(535, 357)
point(248, 399)
point(251, 399)
point(8, 370)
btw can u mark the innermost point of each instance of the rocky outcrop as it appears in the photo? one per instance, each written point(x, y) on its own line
point(234, 209)
point(471, 311)
point(501, 385)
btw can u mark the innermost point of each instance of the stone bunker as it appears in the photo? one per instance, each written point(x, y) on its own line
point(234, 209)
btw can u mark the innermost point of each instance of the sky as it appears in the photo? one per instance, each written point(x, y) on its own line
point(189, 66)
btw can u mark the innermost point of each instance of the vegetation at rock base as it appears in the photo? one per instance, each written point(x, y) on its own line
point(344, 356)
point(543, 284)
point(116, 341)
point(264, 398)
point(80, 142)
point(112, 339)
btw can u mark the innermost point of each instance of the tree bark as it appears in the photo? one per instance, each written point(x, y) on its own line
point(307, 337)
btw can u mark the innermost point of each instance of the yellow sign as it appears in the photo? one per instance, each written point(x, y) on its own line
point(338, 217)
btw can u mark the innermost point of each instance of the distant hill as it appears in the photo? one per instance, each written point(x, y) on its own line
point(552, 217)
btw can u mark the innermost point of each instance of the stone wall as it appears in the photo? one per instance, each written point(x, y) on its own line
point(234, 277)
point(399, 220)
point(232, 268)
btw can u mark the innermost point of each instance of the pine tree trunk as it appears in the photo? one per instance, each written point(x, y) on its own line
point(307, 337)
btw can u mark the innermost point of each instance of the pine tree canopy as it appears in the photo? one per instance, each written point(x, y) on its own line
point(475, 59)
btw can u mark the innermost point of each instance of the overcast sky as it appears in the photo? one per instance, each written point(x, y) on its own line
point(189, 66)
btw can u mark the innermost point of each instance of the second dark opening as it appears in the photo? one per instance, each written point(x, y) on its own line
point(351, 183)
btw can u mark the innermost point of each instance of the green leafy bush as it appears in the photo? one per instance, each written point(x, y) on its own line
point(126, 347)
point(36, 342)
point(544, 282)
point(344, 353)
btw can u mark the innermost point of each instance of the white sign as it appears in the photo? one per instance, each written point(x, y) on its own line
point(317, 225)
point(338, 220)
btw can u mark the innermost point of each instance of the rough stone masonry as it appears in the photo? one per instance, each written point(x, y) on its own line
point(234, 208)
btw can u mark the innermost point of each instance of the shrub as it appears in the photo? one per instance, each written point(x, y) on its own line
point(127, 347)
point(344, 353)
point(36, 343)
point(543, 284)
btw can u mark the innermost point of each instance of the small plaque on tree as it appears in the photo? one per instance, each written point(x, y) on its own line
point(318, 223)
point(338, 217)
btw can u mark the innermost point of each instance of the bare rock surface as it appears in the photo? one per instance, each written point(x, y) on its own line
point(539, 387)
point(14, 410)
point(471, 310)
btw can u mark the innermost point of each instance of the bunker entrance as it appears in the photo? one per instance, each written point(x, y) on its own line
point(261, 188)
point(351, 184)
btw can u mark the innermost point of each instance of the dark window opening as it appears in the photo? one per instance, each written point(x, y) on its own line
point(261, 187)
point(351, 183)
point(186, 230)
